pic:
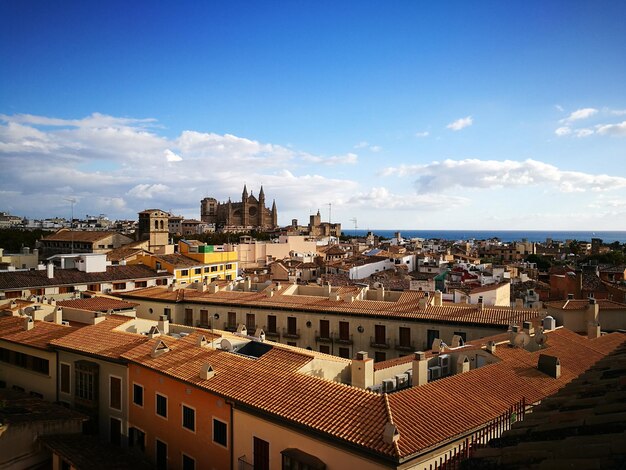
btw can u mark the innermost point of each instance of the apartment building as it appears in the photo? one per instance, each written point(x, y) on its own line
point(78, 241)
point(332, 320)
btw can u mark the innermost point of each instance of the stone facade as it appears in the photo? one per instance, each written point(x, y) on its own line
point(250, 213)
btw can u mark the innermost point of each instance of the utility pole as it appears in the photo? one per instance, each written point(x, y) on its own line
point(329, 209)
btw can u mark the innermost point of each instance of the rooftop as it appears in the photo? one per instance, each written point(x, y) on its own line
point(18, 407)
point(42, 333)
point(78, 236)
point(98, 304)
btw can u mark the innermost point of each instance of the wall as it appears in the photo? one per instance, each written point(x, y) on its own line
point(30, 381)
point(247, 426)
point(199, 444)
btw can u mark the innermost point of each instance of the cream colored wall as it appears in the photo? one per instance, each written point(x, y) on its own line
point(338, 371)
point(247, 426)
point(104, 410)
point(30, 381)
point(503, 295)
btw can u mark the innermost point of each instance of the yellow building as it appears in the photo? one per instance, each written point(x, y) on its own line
point(195, 262)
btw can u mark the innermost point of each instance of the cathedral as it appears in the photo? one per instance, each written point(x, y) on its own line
point(248, 214)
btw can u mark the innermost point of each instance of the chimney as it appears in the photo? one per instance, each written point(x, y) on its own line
point(260, 334)
point(327, 288)
point(570, 296)
point(57, 315)
point(528, 327)
point(438, 298)
point(390, 433)
point(213, 288)
point(592, 311)
point(549, 365)
point(593, 330)
point(206, 372)
point(164, 325)
point(242, 330)
point(421, 303)
point(457, 341)
point(420, 369)
point(28, 323)
point(50, 270)
point(549, 323)
point(380, 293)
point(491, 347)
point(462, 364)
point(247, 284)
point(362, 370)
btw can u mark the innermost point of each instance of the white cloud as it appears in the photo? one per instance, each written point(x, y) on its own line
point(461, 123)
point(438, 177)
point(558, 107)
point(583, 132)
point(171, 156)
point(366, 145)
point(579, 114)
point(422, 134)
point(148, 191)
point(561, 131)
point(375, 148)
point(347, 159)
point(382, 198)
point(618, 112)
point(361, 145)
point(612, 129)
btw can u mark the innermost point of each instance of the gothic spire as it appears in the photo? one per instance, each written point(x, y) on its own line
point(245, 192)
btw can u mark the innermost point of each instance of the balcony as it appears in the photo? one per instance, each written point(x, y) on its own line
point(343, 339)
point(251, 328)
point(230, 327)
point(326, 338)
point(287, 333)
point(403, 346)
point(271, 334)
point(380, 343)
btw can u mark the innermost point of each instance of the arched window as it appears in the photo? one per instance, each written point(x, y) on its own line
point(161, 225)
point(156, 225)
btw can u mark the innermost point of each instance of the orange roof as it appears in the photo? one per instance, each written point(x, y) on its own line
point(66, 235)
point(271, 384)
point(98, 304)
point(102, 339)
point(581, 304)
point(42, 333)
point(407, 306)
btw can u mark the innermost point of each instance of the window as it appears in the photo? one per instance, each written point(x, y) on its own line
point(189, 418)
point(197, 271)
point(229, 266)
point(115, 392)
point(431, 335)
point(86, 380)
point(137, 394)
point(207, 269)
point(204, 317)
point(115, 429)
point(324, 348)
point(344, 331)
point(184, 272)
point(119, 285)
point(188, 317)
point(161, 455)
point(232, 320)
point(344, 352)
point(220, 432)
point(137, 438)
point(213, 269)
point(161, 405)
point(229, 277)
point(188, 463)
point(380, 356)
point(250, 322)
point(380, 336)
point(141, 284)
point(291, 325)
point(65, 378)
point(167, 312)
point(324, 329)
point(271, 323)
point(405, 337)
point(261, 451)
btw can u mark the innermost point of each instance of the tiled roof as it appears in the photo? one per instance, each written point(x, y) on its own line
point(36, 279)
point(98, 304)
point(577, 304)
point(406, 307)
point(581, 426)
point(42, 333)
point(179, 261)
point(443, 409)
point(487, 288)
point(78, 236)
point(271, 384)
point(124, 252)
point(18, 407)
point(84, 451)
point(101, 339)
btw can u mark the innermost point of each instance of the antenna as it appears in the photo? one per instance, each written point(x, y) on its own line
point(353, 219)
point(329, 211)
point(72, 201)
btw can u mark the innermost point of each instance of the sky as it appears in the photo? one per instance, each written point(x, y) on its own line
point(484, 115)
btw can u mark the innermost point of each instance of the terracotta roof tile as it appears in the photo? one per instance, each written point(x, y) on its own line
point(42, 333)
point(98, 304)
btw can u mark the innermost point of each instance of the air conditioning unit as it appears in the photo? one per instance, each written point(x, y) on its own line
point(402, 381)
point(409, 374)
point(434, 373)
point(444, 363)
point(65, 322)
point(389, 385)
point(376, 388)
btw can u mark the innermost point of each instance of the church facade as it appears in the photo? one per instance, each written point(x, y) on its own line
point(249, 214)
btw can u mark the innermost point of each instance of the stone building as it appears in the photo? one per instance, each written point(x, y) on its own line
point(250, 213)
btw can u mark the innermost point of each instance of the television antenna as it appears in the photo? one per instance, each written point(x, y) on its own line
point(329, 211)
point(353, 219)
point(72, 201)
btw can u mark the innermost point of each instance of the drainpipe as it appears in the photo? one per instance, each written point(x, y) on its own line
point(232, 433)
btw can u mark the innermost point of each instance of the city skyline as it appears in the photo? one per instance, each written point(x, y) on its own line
point(403, 116)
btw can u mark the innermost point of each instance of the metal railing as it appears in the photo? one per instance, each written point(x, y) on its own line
point(380, 343)
point(287, 333)
point(326, 338)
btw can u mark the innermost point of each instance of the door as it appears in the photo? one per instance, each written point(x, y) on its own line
point(116, 432)
point(161, 455)
point(405, 337)
point(379, 333)
point(291, 325)
point(188, 317)
point(271, 323)
point(324, 329)
point(261, 454)
point(344, 331)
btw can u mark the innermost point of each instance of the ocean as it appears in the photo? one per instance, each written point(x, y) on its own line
point(503, 235)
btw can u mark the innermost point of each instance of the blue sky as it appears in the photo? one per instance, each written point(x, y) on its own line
point(408, 115)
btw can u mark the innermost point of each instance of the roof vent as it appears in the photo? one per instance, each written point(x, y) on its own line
point(549, 323)
point(390, 433)
point(491, 347)
point(549, 365)
point(28, 323)
point(206, 372)
point(242, 330)
point(154, 331)
point(570, 296)
point(361, 355)
point(438, 345)
point(457, 341)
point(259, 334)
point(159, 348)
point(202, 341)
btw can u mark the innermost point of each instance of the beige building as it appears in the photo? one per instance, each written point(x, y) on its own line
point(77, 241)
point(254, 254)
point(577, 314)
point(338, 321)
point(23, 260)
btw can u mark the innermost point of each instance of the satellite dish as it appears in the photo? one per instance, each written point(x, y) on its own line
point(226, 345)
point(29, 310)
point(521, 340)
point(541, 338)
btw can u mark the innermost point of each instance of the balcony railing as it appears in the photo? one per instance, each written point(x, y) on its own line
point(230, 326)
point(244, 464)
point(343, 339)
point(274, 334)
point(251, 328)
point(380, 343)
point(287, 333)
point(323, 338)
point(403, 346)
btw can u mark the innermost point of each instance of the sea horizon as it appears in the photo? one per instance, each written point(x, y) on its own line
point(607, 236)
